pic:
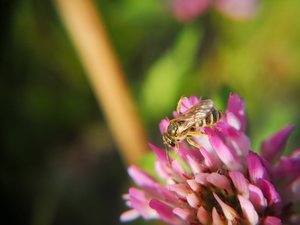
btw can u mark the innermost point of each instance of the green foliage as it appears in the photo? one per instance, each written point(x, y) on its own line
point(160, 89)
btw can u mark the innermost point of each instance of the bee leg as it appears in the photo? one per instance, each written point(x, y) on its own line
point(192, 143)
point(179, 105)
point(176, 148)
point(196, 133)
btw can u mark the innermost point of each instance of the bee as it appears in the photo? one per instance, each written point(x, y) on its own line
point(188, 124)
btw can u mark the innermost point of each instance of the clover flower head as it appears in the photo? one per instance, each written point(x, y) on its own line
point(187, 10)
point(222, 181)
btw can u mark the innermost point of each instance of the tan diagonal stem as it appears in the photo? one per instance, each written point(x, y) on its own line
point(84, 25)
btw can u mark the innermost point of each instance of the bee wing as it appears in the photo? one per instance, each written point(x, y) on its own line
point(185, 121)
point(201, 113)
point(206, 104)
point(195, 114)
point(202, 109)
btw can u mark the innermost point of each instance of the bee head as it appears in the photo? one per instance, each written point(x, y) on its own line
point(168, 140)
point(171, 137)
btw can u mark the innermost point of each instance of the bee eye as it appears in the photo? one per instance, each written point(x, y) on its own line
point(172, 128)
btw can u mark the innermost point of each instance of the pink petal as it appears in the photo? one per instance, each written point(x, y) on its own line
point(177, 168)
point(255, 168)
point(161, 154)
point(164, 211)
point(219, 181)
point(185, 150)
point(274, 199)
point(236, 139)
point(236, 106)
point(238, 9)
point(148, 183)
point(129, 215)
point(182, 150)
point(163, 125)
point(193, 185)
point(203, 141)
point(288, 167)
point(203, 216)
point(257, 198)
point(228, 211)
point(138, 194)
point(225, 154)
point(217, 219)
point(194, 100)
point(248, 210)
point(141, 178)
point(296, 153)
point(184, 214)
point(196, 155)
point(241, 143)
point(233, 121)
point(140, 202)
point(193, 200)
point(201, 178)
point(272, 220)
point(161, 170)
point(187, 103)
point(240, 182)
point(194, 165)
point(273, 146)
point(209, 159)
point(180, 189)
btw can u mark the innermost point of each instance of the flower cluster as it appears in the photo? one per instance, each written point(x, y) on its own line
point(186, 10)
point(221, 182)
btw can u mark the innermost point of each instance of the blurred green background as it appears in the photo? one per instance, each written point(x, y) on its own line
point(59, 163)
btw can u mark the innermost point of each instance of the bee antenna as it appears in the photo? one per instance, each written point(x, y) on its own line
point(167, 155)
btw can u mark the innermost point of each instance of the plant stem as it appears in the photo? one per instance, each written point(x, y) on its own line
point(86, 29)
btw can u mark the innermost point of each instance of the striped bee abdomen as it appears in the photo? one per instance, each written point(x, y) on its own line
point(213, 117)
